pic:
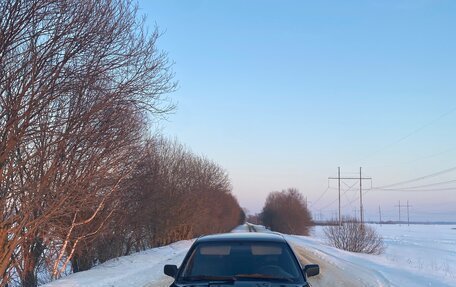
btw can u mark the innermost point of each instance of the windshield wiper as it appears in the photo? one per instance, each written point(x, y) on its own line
point(263, 277)
point(210, 279)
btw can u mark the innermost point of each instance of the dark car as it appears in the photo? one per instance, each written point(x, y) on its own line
point(241, 259)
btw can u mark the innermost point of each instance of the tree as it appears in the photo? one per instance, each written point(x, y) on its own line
point(76, 82)
point(286, 212)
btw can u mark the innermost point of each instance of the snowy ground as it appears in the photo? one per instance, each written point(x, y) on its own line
point(419, 255)
point(136, 270)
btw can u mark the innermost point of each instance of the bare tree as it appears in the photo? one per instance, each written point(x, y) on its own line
point(76, 81)
point(286, 212)
point(172, 194)
point(354, 236)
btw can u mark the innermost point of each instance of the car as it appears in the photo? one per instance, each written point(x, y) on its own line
point(241, 259)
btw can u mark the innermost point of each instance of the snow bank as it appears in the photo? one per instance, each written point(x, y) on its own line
point(138, 269)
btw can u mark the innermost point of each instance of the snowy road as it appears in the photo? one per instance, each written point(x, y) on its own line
point(430, 246)
point(332, 274)
point(163, 282)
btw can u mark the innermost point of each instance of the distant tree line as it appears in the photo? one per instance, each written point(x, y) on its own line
point(81, 179)
point(286, 212)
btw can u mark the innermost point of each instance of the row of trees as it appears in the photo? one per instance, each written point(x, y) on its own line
point(171, 195)
point(286, 212)
point(78, 171)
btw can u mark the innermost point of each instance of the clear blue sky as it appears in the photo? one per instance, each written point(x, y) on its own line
point(281, 93)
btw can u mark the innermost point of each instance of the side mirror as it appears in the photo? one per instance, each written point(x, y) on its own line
point(170, 270)
point(311, 270)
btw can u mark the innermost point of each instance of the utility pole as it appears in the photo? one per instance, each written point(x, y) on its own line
point(338, 181)
point(360, 191)
point(355, 212)
point(380, 215)
point(399, 207)
point(408, 215)
point(361, 196)
point(338, 175)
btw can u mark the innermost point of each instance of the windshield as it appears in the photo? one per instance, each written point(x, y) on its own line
point(234, 261)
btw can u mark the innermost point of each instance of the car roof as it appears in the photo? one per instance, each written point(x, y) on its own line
point(242, 236)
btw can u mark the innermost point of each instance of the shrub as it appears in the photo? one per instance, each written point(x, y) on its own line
point(355, 237)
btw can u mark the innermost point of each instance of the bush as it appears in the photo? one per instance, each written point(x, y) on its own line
point(286, 212)
point(355, 237)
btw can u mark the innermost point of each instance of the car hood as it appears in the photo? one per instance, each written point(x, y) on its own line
point(250, 283)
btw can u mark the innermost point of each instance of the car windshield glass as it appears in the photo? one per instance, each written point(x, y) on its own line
point(241, 261)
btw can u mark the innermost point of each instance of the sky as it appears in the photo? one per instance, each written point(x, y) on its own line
point(282, 93)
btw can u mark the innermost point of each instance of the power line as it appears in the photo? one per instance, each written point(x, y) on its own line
point(432, 212)
point(409, 134)
point(419, 158)
point(328, 205)
point(431, 155)
point(345, 192)
point(326, 190)
point(431, 184)
point(321, 196)
point(417, 190)
point(356, 196)
point(347, 198)
point(417, 179)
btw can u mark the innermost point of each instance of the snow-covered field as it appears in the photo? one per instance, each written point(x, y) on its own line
point(419, 255)
point(423, 249)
